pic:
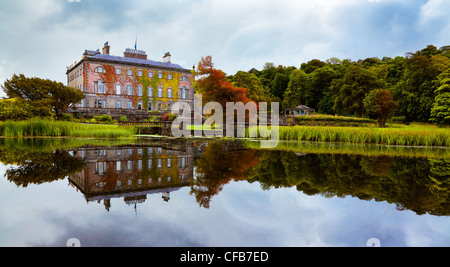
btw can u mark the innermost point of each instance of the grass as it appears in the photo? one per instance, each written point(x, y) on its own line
point(415, 135)
point(50, 128)
point(354, 149)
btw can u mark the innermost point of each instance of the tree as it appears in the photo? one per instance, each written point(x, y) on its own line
point(213, 85)
point(255, 89)
point(43, 96)
point(380, 103)
point(299, 90)
point(350, 91)
point(440, 112)
point(416, 90)
point(14, 109)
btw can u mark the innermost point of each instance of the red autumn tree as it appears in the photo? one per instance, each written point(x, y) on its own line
point(213, 85)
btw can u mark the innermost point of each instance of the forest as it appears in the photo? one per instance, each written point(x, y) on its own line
point(419, 83)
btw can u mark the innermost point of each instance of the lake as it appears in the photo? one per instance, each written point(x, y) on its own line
point(200, 193)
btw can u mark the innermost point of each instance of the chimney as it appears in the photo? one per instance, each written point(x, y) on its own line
point(106, 49)
point(167, 58)
point(133, 53)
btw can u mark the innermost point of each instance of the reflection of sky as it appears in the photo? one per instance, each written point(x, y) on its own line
point(240, 215)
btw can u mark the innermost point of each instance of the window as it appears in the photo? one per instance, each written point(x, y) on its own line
point(118, 89)
point(150, 91)
point(129, 105)
point(140, 89)
point(118, 104)
point(100, 103)
point(139, 105)
point(130, 72)
point(160, 75)
point(99, 87)
point(169, 76)
point(169, 163)
point(100, 70)
point(118, 166)
point(139, 73)
point(159, 163)
point(160, 92)
point(169, 92)
point(129, 165)
point(184, 93)
point(150, 74)
point(118, 71)
point(184, 79)
point(129, 90)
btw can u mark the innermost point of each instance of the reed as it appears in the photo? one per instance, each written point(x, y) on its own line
point(50, 128)
point(371, 150)
point(401, 136)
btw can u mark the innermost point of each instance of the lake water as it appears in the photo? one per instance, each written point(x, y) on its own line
point(221, 193)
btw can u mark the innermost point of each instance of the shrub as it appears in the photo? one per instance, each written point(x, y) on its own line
point(104, 118)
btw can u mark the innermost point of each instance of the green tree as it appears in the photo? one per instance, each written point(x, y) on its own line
point(299, 90)
point(255, 89)
point(312, 65)
point(380, 103)
point(440, 112)
point(42, 95)
point(350, 91)
point(320, 82)
point(415, 92)
point(14, 109)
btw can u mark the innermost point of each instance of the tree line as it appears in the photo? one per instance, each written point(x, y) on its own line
point(414, 87)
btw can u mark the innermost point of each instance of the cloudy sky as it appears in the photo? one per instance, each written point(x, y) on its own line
point(41, 38)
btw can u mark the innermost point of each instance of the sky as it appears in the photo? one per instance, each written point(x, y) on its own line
point(41, 38)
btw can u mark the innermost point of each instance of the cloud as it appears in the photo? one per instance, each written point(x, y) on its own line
point(240, 35)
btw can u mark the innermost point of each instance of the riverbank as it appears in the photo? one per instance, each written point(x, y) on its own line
point(406, 135)
point(50, 128)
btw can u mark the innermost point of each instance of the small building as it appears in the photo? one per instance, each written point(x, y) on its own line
point(301, 110)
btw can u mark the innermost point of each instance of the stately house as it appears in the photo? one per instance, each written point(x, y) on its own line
point(128, 85)
point(132, 172)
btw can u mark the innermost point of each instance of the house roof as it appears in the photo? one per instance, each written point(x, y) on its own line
point(96, 56)
point(301, 107)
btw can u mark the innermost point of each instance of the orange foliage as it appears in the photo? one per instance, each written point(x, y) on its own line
point(213, 85)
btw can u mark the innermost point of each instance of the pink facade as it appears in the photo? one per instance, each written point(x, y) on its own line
point(131, 82)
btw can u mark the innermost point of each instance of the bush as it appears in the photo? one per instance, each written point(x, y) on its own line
point(123, 118)
point(68, 117)
point(104, 118)
point(169, 117)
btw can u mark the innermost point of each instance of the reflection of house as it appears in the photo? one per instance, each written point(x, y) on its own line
point(301, 110)
point(131, 84)
point(132, 172)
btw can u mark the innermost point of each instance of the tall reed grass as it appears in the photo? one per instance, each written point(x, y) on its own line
point(50, 128)
point(404, 136)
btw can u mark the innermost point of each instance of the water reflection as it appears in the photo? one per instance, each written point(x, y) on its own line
point(132, 172)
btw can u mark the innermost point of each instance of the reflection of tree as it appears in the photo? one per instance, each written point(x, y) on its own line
point(416, 184)
point(38, 168)
point(216, 168)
